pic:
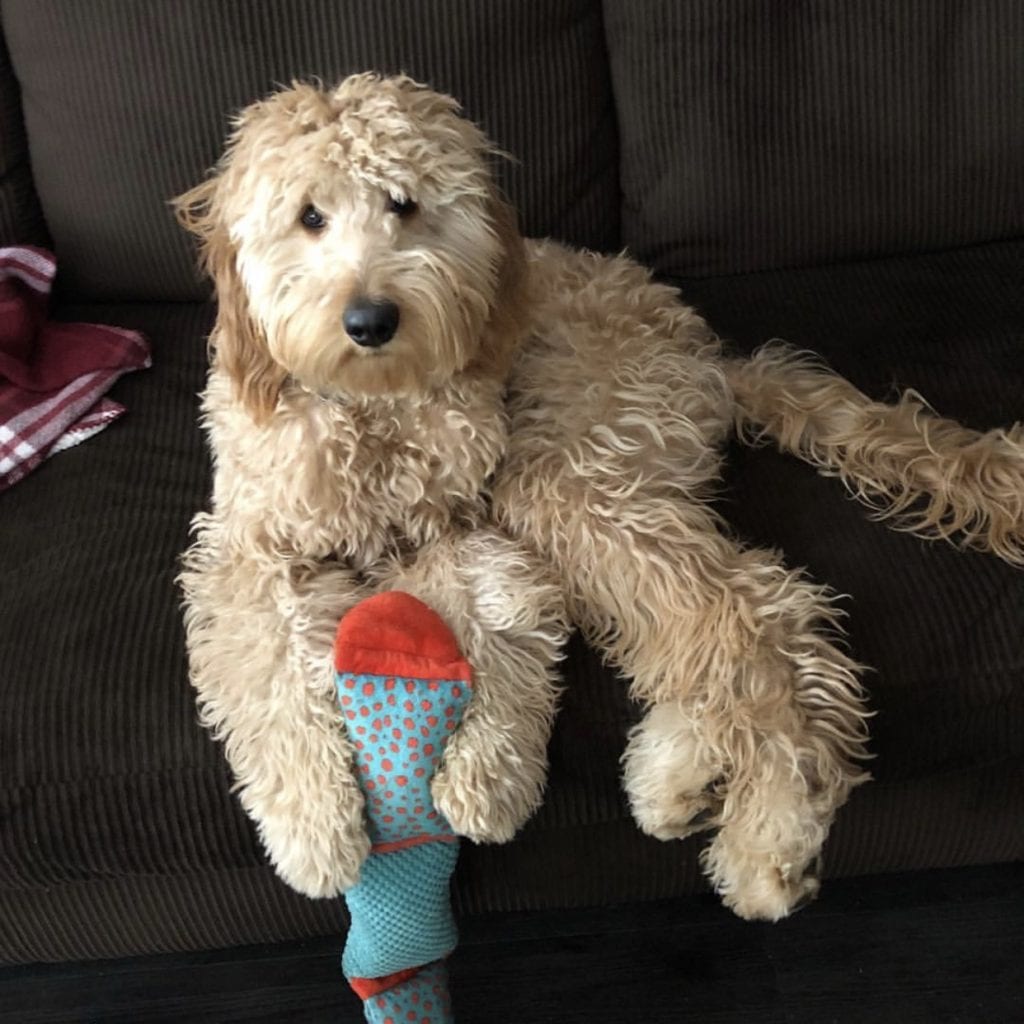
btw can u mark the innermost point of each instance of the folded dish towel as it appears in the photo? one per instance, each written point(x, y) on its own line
point(52, 375)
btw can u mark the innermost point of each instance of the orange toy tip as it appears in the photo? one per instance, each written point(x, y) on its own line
point(396, 634)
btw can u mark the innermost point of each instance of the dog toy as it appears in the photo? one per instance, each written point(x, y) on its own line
point(403, 686)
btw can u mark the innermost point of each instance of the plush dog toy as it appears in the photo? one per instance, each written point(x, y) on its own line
point(403, 686)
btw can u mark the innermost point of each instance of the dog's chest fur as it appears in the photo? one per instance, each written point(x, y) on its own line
point(354, 479)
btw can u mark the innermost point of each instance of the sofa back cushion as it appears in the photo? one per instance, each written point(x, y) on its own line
point(21, 220)
point(795, 132)
point(127, 105)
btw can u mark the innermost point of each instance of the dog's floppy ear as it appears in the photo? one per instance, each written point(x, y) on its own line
point(238, 343)
point(508, 310)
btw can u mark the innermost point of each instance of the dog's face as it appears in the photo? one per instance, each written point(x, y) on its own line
point(357, 242)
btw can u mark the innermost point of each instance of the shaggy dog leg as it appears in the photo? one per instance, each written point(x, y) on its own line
point(732, 651)
point(260, 635)
point(763, 860)
point(509, 620)
point(619, 414)
point(773, 725)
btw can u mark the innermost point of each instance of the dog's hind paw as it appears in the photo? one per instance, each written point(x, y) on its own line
point(674, 789)
point(773, 897)
point(677, 815)
point(759, 884)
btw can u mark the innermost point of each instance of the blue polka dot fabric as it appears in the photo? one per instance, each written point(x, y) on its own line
point(400, 727)
point(422, 999)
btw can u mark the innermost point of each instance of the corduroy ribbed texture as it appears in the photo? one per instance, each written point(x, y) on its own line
point(91, 628)
point(943, 629)
point(118, 832)
point(136, 98)
point(786, 133)
point(21, 219)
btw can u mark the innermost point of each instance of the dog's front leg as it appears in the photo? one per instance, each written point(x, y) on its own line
point(260, 632)
point(508, 617)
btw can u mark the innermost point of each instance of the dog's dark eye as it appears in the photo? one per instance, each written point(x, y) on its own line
point(402, 207)
point(312, 218)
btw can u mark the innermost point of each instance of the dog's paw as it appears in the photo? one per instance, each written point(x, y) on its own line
point(772, 896)
point(673, 788)
point(316, 846)
point(316, 865)
point(483, 801)
point(676, 815)
point(758, 884)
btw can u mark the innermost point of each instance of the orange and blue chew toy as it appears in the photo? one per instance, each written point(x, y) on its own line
point(403, 687)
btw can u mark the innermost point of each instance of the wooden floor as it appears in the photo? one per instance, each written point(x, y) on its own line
point(933, 947)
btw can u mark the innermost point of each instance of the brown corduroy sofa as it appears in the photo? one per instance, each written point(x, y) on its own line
point(845, 175)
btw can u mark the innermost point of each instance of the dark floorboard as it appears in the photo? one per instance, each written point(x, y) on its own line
point(941, 947)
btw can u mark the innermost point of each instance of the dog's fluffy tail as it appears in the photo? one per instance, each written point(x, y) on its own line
point(931, 476)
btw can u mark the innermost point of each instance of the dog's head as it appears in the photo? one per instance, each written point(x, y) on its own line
point(357, 242)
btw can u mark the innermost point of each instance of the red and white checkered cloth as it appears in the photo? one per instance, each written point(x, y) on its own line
point(52, 375)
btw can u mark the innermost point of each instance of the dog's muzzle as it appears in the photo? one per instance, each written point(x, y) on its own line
point(370, 322)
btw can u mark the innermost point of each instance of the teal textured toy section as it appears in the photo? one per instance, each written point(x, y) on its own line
point(401, 911)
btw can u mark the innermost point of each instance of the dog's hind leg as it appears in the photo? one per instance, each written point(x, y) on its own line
point(763, 858)
point(619, 410)
point(756, 717)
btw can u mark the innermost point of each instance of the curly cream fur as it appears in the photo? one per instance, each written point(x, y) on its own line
point(538, 440)
point(895, 458)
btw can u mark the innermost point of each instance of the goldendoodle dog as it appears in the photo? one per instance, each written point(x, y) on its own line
point(406, 394)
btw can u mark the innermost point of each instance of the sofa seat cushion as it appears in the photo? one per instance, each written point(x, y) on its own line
point(118, 830)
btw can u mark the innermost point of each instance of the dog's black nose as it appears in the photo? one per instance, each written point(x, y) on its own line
point(371, 322)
